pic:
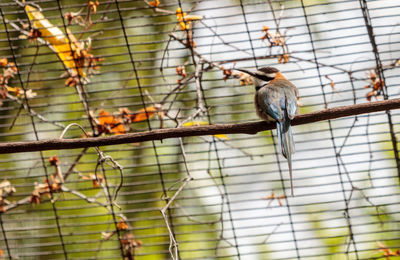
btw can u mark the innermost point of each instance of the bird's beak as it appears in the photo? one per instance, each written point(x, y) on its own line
point(247, 72)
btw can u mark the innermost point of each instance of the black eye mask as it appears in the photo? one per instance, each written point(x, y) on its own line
point(263, 77)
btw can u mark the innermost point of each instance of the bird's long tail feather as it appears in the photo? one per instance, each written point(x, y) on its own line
point(286, 144)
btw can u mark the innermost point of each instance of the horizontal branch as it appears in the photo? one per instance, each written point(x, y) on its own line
point(159, 134)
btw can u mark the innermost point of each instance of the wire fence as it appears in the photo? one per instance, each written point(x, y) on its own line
point(90, 69)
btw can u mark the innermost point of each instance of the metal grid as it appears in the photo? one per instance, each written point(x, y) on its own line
point(346, 202)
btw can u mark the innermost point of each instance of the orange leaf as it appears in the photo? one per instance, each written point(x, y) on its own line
point(110, 124)
point(3, 62)
point(122, 225)
point(144, 114)
point(154, 3)
point(118, 129)
point(106, 118)
point(93, 6)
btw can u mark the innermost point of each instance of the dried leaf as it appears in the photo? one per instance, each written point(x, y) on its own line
point(154, 3)
point(118, 129)
point(33, 35)
point(110, 124)
point(274, 196)
point(15, 90)
point(96, 180)
point(192, 18)
point(144, 114)
point(180, 70)
point(3, 62)
point(6, 189)
point(331, 82)
point(387, 252)
point(64, 48)
point(245, 79)
point(93, 6)
point(40, 190)
point(185, 20)
point(9, 72)
point(375, 83)
point(125, 114)
point(34, 199)
point(106, 118)
point(19, 92)
point(107, 235)
point(30, 94)
point(285, 58)
point(129, 241)
point(227, 73)
point(54, 160)
point(378, 85)
point(265, 30)
point(121, 225)
point(72, 81)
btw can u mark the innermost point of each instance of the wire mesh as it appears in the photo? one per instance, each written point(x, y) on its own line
point(198, 197)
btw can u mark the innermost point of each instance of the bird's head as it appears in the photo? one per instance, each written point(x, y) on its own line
point(263, 76)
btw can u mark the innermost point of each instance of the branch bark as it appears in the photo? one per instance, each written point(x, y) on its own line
point(159, 134)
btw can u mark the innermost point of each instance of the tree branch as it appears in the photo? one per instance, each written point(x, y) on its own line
point(159, 134)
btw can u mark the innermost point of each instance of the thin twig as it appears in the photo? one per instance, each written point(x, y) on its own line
point(83, 196)
point(33, 112)
point(197, 76)
point(173, 247)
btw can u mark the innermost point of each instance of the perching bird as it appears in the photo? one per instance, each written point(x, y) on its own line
point(276, 99)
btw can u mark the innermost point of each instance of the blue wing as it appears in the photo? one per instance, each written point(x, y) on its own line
point(279, 100)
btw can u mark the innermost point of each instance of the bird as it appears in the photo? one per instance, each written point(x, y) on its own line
point(275, 99)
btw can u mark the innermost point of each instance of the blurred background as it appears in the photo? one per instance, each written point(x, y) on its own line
point(237, 204)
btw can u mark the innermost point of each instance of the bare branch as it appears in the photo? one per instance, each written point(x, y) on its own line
point(159, 134)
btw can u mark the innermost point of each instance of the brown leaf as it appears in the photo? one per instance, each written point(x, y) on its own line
point(33, 35)
point(227, 73)
point(54, 160)
point(72, 81)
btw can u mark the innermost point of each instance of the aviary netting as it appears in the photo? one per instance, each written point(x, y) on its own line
point(127, 132)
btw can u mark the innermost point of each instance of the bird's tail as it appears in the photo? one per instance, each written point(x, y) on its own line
point(286, 144)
